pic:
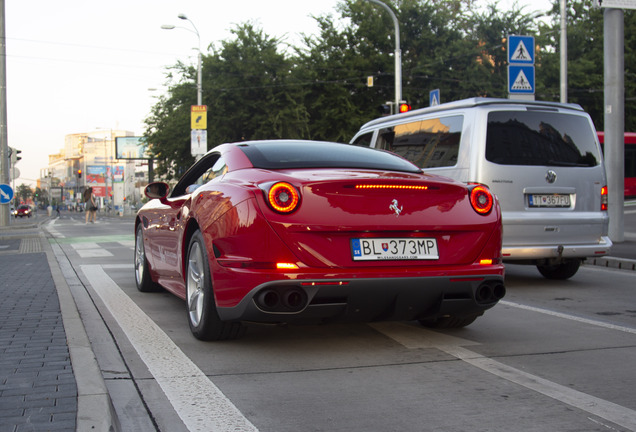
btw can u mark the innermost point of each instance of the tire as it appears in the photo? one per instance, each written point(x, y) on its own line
point(142, 269)
point(203, 317)
point(449, 322)
point(562, 271)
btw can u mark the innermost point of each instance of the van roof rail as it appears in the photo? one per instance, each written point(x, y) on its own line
point(471, 102)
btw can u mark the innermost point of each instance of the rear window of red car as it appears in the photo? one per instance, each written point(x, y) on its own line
point(306, 154)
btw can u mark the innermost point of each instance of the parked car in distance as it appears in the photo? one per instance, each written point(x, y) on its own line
point(300, 231)
point(23, 210)
point(541, 159)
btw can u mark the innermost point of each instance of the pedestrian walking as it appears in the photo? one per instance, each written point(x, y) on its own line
point(90, 205)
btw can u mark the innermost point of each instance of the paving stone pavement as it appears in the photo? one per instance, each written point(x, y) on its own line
point(38, 391)
point(49, 376)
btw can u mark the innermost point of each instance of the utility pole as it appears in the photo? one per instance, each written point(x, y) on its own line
point(614, 77)
point(4, 146)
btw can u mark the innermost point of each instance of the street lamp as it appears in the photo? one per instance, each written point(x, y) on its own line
point(196, 32)
point(398, 54)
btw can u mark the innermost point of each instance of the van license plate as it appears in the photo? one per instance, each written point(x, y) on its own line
point(376, 249)
point(552, 200)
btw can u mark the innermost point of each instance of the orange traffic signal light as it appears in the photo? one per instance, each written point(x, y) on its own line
point(79, 173)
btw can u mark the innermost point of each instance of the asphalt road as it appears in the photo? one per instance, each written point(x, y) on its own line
point(551, 356)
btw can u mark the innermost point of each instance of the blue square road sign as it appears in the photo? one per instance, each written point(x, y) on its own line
point(521, 49)
point(520, 79)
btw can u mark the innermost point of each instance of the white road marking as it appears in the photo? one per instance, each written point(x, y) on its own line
point(85, 245)
point(128, 243)
point(118, 266)
point(418, 337)
point(90, 250)
point(452, 345)
point(569, 317)
point(601, 408)
point(198, 402)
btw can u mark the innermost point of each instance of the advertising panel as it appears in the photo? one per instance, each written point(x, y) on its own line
point(116, 173)
point(95, 174)
point(131, 148)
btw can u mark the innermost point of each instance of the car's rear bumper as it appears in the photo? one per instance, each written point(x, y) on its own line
point(367, 300)
point(555, 251)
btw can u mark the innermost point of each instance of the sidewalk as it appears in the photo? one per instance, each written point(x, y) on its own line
point(49, 377)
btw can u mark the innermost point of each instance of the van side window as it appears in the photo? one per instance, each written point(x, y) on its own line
point(427, 143)
point(363, 140)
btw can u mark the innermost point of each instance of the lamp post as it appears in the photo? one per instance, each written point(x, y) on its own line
point(196, 32)
point(563, 55)
point(398, 54)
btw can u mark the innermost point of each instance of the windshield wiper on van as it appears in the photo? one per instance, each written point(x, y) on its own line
point(567, 164)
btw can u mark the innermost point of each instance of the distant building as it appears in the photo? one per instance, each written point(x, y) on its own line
point(88, 159)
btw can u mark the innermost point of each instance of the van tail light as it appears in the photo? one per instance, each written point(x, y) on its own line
point(283, 197)
point(481, 198)
point(604, 199)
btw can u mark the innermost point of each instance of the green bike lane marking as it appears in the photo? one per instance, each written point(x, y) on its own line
point(93, 239)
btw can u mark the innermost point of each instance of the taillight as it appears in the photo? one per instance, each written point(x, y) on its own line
point(481, 199)
point(604, 200)
point(283, 197)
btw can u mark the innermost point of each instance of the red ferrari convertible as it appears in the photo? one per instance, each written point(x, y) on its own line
point(304, 231)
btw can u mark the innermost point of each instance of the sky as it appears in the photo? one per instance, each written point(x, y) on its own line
point(76, 66)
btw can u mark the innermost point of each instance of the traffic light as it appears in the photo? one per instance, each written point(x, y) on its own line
point(385, 109)
point(14, 155)
point(404, 107)
point(79, 173)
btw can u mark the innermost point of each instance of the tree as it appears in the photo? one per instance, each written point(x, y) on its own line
point(168, 126)
point(24, 192)
point(39, 195)
point(585, 60)
point(252, 92)
point(254, 89)
point(248, 94)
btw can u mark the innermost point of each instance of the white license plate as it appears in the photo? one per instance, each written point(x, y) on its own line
point(552, 200)
point(376, 249)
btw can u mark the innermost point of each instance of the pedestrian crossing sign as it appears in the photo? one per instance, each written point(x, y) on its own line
point(433, 97)
point(520, 79)
point(521, 50)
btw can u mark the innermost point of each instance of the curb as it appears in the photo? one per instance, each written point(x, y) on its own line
point(95, 411)
point(612, 262)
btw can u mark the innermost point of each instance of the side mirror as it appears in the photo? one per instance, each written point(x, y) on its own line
point(157, 190)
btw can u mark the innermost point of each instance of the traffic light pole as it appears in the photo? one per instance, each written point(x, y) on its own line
point(398, 55)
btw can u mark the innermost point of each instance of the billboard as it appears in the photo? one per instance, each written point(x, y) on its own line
point(131, 148)
point(116, 173)
point(95, 174)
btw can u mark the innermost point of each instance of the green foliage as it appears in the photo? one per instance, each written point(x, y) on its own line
point(24, 192)
point(251, 96)
point(255, 87)
point(585, 54)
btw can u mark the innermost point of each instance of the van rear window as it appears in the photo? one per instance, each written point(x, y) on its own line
point(540, 138)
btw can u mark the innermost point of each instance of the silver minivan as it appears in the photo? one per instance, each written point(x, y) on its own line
point(541, 159)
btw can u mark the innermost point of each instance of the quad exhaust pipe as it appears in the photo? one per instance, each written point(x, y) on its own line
point(282, 299)
point(490, 292)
